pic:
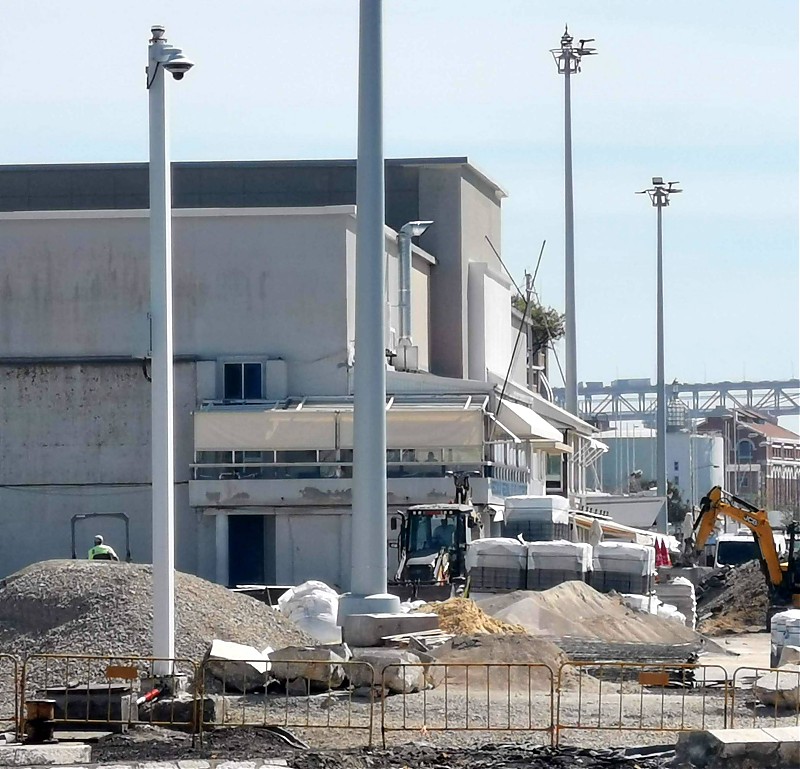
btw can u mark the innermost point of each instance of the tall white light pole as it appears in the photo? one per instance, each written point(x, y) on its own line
point(368, 564)
point(162, 57)
point(568, 61)
point(659, 196)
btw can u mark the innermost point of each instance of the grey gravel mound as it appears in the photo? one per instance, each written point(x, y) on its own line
point(102, 607)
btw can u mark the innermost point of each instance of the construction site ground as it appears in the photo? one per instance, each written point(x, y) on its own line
point(157, 745)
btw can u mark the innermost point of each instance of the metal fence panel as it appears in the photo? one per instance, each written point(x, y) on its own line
point(628, 696)
point(9, 693)
point(485, 697)
point(765, 697)
point(308, 695)
point(103, 689)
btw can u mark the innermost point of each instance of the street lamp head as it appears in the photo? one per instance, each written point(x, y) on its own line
point(415, 229)
point(658, 180)
point(158, 33)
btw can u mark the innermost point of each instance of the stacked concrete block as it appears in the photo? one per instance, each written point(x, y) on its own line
point(624, 567)
point(496, 564)
point(680, 593)
point(551, 563)
point(537, 518)
point(784, 631)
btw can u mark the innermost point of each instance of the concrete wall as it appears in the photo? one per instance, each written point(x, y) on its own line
point(255, 282)
point(76, 439)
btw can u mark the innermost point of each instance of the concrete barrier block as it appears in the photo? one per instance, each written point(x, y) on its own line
point(44, 755)
point(370, 629)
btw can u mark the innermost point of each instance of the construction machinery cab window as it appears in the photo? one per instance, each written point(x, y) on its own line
point(431, 533)
point(734, 552)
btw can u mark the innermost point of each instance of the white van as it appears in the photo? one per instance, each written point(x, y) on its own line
point(741, 547)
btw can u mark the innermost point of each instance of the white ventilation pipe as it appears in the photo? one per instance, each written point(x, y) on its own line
point(407, 231)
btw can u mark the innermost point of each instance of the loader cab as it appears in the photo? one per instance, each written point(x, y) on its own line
point(433, 542)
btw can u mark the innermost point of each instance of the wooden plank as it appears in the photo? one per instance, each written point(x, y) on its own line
point(126, 672)
point(654, 678)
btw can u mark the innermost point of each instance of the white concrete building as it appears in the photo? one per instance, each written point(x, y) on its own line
point(264, 340)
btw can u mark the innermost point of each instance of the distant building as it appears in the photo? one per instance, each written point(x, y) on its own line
point(762, 459)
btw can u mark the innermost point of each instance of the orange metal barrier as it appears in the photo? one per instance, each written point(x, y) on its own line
point(486, 697)
point(628, 696)
point(307, 694)
point(99, 689)
point(752, 705)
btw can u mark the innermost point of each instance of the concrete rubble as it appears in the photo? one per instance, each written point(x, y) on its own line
point(320, 665)
point(790, 655)
point(738, 749)
point(398, 671)
point(241, 668)
point(779, 688)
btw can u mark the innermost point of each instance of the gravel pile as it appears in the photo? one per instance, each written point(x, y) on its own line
point(733, 601)
point(102, 607)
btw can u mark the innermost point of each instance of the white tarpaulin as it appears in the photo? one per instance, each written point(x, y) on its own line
point(625, 557)
point(560, 555)
point(525, 423)
point(496, 552)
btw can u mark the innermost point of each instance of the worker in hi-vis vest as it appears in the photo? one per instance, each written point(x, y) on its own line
point(101, 552)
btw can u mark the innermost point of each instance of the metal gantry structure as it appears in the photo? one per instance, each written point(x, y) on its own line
point(635, 399)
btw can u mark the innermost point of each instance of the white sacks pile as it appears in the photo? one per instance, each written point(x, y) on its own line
point(537, 518)
point(624, 567)
point(551, 563)
point(496, 564)
point(680, 593)
point(314, 607)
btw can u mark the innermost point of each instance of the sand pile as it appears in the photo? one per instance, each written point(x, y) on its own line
point(736, 599)
point(462, 616)
point(577, 610)
point(101, 607)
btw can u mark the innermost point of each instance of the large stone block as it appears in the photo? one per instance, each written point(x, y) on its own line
point(396, 670)
point(321, 665)
point(790, 655)
point(779, 688)
point(370, 629)
point(727, 749)
point(241, 668)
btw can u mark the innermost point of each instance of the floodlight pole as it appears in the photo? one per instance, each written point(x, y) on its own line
point(368, 564)
point(659, 196)
point(568, 61)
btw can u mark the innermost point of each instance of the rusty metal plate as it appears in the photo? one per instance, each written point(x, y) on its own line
point(650, 678)
point(125, 672)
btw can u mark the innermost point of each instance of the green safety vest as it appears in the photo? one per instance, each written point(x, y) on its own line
point(98, 551)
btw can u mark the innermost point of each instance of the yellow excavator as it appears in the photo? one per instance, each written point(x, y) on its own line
point(783, 578)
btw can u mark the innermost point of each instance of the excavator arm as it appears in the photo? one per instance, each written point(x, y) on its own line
point(718, 502)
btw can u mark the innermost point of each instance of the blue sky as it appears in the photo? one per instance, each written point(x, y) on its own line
point(705, 93)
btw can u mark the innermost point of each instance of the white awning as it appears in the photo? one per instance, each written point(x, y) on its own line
point(526, 423)
point(299, 429)
point(598, 445)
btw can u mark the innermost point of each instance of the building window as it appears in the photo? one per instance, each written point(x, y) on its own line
point(676, 466)
point(745, 451)
point(242, 382)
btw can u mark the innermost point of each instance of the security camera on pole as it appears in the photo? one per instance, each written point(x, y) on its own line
point(659, 196)
point(162, 58)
